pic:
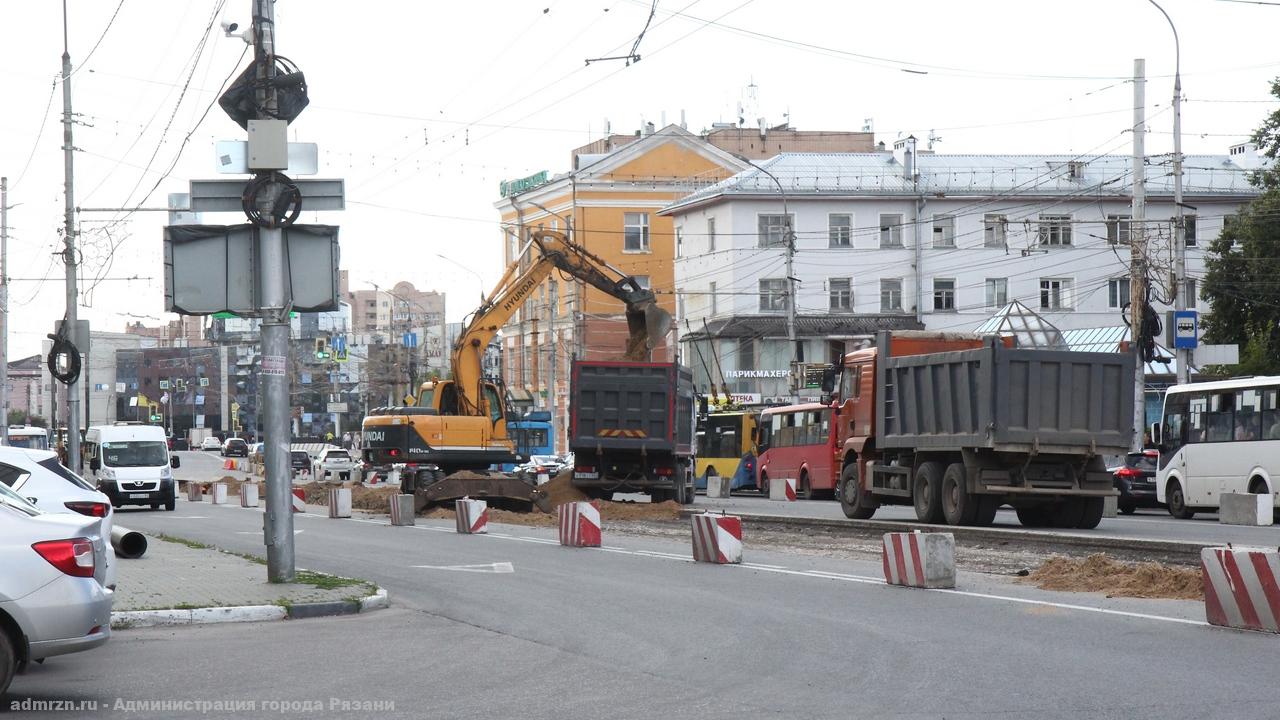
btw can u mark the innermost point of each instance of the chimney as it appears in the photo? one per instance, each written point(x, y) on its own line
point(683, 126)
point(904, 151)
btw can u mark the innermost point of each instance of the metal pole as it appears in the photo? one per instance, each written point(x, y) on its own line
point(278, 521)
point(4, 310)
point(553, 338)
point(69, 250)
point(1138, 249)
point(1180, 298)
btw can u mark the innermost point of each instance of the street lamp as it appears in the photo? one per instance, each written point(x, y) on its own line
point(479, 279)
point(1180, 229)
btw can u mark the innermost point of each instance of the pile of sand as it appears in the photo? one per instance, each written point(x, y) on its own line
point(362, 498)
point(1099, 573)
point(560, 489)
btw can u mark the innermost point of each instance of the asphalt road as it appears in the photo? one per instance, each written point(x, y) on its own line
point(638, 631)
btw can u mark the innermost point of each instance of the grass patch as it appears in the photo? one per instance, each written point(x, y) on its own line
point(323, 581)
point(183, 541)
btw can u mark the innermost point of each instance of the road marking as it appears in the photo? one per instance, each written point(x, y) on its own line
point(497, 567)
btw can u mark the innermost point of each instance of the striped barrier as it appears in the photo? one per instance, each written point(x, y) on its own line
point(579, 524)
point(299, 500)
point(249, 495)
point(401, 509)
point(194, 492)
point(219, 493)
point(717, 538)
point(1242, 587)
point(472, 516)
point(782, 489)
point(339, 502)
point(922, 560)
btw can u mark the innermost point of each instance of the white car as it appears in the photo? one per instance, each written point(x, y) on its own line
point(211, 443)
point(53, 597)
point(38, 477)
point(334, 462)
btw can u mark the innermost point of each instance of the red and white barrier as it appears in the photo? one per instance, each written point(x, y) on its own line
point(401, 509)
point(580, 524)
point(195, 493)
point(717, 538)
point(219, 493)
point(1242, 587)
point(782, 489)
point(339, 502)
point(472, 516)
point(922, 560)
point(249, 495)
point(299, 500)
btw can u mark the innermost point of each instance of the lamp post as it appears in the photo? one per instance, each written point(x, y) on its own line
point(1180, 229)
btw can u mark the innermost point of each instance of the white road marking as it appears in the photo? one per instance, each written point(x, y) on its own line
point(497, 567)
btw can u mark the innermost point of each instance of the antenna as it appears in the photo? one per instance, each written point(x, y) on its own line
point(933, 139)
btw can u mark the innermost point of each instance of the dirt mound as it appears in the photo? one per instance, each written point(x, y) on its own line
point(560, 489)
point(609, 511)
point(362, 498)
point(1100, 573)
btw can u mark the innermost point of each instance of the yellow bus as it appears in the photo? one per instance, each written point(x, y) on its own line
point(726, 445)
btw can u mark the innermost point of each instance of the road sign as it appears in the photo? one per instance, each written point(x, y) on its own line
point(409, 339)
point(204, 382)
point(164, 384)
point(1185, 326)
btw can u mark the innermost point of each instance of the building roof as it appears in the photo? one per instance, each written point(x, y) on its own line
point(1109, 339)
point(1029, 329)
point(775, 326)
point(880, 174)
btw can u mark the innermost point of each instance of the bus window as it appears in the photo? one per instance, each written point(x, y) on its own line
point(1221, 416)
point(729, 446)
point(1197, 412)
point(1174, 433)
point(1248, 415)
point(1270, 418)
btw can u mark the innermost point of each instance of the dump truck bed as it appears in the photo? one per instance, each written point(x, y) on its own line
point(632, 406)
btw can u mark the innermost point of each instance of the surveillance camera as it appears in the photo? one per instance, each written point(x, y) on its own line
point(229, 28)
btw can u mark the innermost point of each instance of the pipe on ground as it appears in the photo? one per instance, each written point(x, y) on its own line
point(128, 544)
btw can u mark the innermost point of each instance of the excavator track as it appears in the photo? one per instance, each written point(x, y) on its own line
point(499, 489)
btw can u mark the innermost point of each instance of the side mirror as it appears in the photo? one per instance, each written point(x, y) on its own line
point(175, 462)
point(33, 501)
point(1156, 439)
point(95, 464)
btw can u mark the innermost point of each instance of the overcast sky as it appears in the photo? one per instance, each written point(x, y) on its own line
point(424, 106)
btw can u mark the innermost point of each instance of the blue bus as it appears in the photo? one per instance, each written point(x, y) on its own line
point(532, 434)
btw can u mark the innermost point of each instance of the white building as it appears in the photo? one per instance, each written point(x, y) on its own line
point(890, 240)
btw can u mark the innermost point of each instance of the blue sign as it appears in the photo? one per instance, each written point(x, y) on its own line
point(410, 339)
point(1186, 326)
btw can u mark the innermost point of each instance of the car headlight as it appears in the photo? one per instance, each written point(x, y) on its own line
point(166, 473)
point(107, 473)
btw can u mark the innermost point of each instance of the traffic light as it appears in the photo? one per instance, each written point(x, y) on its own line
point(322, 349)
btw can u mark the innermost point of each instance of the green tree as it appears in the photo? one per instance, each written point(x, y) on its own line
point(20, 417)
point(1242, 268)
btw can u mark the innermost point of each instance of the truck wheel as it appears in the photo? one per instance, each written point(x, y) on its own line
point(987, 506)
point(926, 492)
point(1034, 517)
point(1093, 510)
point(1068, 514)
point(1177, 501)
point(958, 506)
point(856, 504)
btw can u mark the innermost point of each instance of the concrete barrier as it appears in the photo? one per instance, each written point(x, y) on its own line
point(717, 538)
point(249, 495)
point(579, 524)
point(219, 493)
point(1242, 587)
point(472, 516)
point(1245, 509)
point(1110, 506)
point(718, 486)
point(401, 509)
point(194, 492)
point(916, 559)
point(339, 502)
point(299, 500)
point(782, 489)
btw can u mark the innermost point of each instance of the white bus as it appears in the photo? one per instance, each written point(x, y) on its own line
point(1219, 437)
point(29, 437)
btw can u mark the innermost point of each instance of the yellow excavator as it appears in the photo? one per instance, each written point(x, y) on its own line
point(445, 445)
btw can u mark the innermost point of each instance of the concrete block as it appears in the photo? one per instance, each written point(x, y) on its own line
point(1242, 587)
point(1245, 509)
point(717, 538)
point(922, 560)
point(219, 493)
point(249, 495)
point(1110, 507)
point(339, 502)
point(579, 524)
point(401, 509)
point(472, 516)
point(782, 489)
point(718, 486)
point(194, 492)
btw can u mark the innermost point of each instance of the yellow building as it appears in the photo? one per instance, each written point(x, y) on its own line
point(609, 204)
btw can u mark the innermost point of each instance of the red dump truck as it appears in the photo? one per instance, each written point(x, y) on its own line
point(631, 429)
point(958, 426)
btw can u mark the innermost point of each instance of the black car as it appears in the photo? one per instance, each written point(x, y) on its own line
point(235, 447)
point(1136, 481)
point(299, 461)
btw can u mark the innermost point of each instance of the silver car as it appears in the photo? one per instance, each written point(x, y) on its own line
point(53, 597)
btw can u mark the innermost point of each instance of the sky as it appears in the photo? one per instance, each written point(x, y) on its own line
point(424, 107)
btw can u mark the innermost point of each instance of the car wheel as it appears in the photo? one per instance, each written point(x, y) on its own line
point(170, 504)
point(8, 661)
point(155, 506)
point(1128, 509)
point(1177, 501)
point(926, 492)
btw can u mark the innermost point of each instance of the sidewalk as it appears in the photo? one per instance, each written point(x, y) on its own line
point(180, 582)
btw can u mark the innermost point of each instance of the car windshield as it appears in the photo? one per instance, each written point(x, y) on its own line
point(235, 443)
point(55, 467)
point(30, 442)
point(16, 501)
point(135, 453)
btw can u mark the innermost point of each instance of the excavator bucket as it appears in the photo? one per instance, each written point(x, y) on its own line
point(647, 323)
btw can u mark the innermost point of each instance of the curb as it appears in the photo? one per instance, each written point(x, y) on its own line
point(130, 619)
point(1185, 551)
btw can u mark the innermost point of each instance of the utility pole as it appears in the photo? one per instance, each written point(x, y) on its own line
point(553, 341)
point(4, 310)
point(1138, 250)
point(69, 249)
point(275, 334)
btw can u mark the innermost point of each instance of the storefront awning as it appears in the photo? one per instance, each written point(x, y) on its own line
point(775, 326)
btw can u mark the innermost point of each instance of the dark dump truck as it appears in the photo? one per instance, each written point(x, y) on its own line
point(958, 426)
point(631, 429)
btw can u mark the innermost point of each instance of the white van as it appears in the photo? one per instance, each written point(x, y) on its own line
point(130, 463)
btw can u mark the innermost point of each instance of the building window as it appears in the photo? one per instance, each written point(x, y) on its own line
point(711, 290)
point(840, 230)
point(773, 294)
point(891, 231)
point(841, 291)
point(1189, 227)
point(1054, 230)
point(1192, 299)
point(711, 234)
point(997, 292)
point(746, 353)
point(635, 232)
point(774, 230)
point(1118, 292)
point(642, 281)
point(944, 231)
point(1055, 293)
point(891, 295)
point(1119, 229)
point(944, 294)
point(995, 230)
